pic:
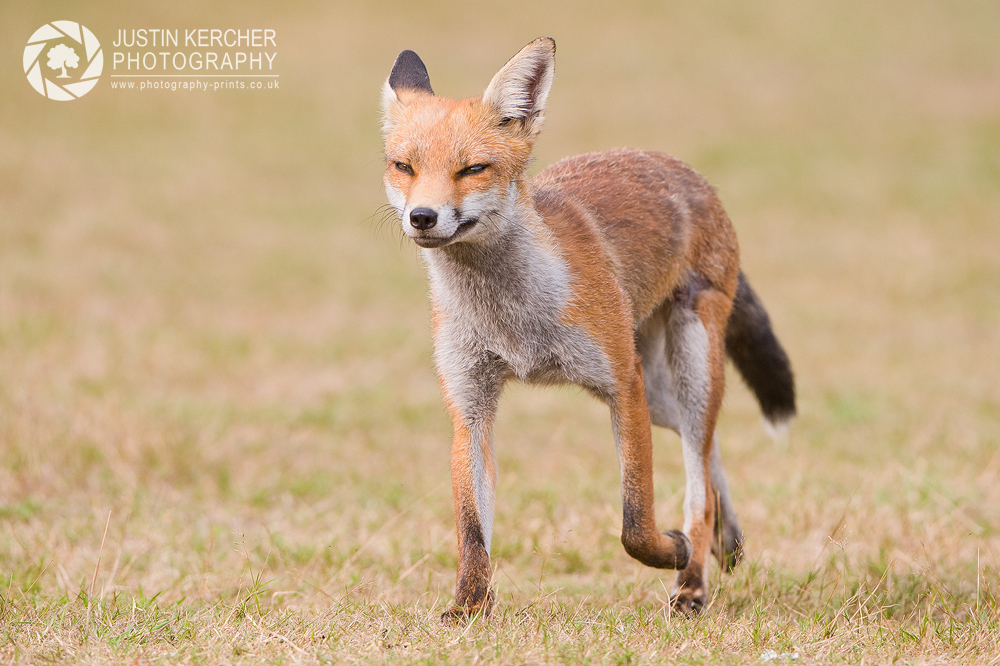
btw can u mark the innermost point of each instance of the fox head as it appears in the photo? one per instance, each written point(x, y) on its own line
point(452, 167)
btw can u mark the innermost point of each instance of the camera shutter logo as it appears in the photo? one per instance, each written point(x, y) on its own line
point(63, 60)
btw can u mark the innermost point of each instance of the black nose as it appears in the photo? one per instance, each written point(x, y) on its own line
point(423, 218)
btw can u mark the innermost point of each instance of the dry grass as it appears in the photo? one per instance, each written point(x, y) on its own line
point(221, 439)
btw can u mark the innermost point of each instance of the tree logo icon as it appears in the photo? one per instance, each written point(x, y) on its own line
point(62, 56)
point(63, 60)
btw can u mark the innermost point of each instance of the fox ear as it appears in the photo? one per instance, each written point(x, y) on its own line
point(520, 89)
point(408, 75)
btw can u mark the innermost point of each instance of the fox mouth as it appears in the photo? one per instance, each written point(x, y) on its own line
point(431, 242)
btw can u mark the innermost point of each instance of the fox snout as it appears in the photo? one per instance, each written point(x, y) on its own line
point(429, 227)
point(423, 218)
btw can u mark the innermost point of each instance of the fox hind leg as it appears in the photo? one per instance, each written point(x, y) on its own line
point(727, 541)
point(696, 356)
point(665, 411)
point(651, 343)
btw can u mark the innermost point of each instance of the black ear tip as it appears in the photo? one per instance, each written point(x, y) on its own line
point(409, 73)
point(407, 57)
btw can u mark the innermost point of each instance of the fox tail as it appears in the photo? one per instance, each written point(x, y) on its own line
point(759, 357)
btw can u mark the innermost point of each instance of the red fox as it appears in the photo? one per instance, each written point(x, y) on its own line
point(617, 271)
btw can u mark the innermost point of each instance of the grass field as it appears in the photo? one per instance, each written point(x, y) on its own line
point(221, 437)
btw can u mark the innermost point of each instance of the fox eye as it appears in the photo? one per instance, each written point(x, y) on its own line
point(404, 167)
point(472, 170)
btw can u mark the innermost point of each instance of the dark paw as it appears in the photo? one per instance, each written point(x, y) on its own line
point(729, 553)
point(459, 614)
point(688, 602)
point(690, 594)
point(682, 546)
point(454, 616)
point(670, 550)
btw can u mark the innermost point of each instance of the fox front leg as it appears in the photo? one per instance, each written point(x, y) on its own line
point(472, 390)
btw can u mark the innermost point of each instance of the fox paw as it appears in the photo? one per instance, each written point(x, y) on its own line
point(459, 614)
point(730, 551)
point(454, 616)
point(688, 602)
point(690, 596)
point(682, 547)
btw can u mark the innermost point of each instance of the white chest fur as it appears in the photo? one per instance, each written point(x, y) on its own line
point(508, 298)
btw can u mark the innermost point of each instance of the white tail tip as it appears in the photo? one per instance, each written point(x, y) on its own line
point(777, 429)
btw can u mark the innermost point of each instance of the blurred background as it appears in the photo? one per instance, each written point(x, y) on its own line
point(209, 334)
